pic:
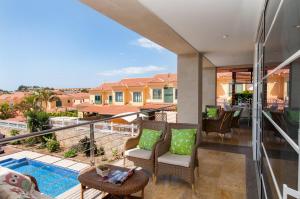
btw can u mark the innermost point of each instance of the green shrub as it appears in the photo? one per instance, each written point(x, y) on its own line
point(70, 154)
point(115, 154)
point(52, 145)
point(77, 147)
point(30, 141)
point(13, 133)
point(100, 151)
point(64, 114)
point(85, 145)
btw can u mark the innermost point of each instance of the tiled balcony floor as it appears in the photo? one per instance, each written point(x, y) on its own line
point(221, 175)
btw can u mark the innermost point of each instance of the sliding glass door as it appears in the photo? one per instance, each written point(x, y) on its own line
point(278, 99)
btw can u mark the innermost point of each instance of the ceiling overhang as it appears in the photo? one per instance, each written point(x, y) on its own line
point(159, 22)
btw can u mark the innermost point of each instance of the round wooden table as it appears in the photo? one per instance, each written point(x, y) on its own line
point(135, 183)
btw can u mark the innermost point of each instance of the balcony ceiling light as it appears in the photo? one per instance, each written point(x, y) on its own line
point(225, 36)
point(297, 26)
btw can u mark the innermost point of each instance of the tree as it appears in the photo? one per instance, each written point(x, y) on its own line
point(37, 121)
point(43, 97)
point(29, 103)
point(6, 111)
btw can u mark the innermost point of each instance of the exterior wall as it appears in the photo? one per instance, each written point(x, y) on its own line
point(189, 77)
point(209, 86)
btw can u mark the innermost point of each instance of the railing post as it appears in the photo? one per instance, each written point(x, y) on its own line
point(92, 144)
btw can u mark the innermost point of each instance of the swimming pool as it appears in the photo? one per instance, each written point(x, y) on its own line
point(52, 180)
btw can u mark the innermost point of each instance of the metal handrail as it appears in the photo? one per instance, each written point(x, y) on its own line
point(45, 132)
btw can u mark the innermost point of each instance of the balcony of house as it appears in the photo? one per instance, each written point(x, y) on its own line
point(210, 170)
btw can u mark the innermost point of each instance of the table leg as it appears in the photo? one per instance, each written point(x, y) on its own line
point(82, 191)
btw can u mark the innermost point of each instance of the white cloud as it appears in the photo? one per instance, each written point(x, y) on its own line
point(133, 70)
point(146, 43)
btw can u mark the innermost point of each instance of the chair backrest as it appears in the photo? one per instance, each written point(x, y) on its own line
point(154, 125)
point(171, 126)
point(226, 121)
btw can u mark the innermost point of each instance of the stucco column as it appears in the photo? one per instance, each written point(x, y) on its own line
point(189, 80)
point(209, 86)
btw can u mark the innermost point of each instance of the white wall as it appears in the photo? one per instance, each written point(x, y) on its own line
point(189, 80)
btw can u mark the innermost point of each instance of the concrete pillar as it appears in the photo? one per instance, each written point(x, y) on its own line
point(189, 77)
point(209, 86)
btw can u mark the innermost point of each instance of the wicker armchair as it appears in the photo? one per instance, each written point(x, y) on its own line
point(221, 125)
point(182, 166)
point(140, 157)
point(236, 118)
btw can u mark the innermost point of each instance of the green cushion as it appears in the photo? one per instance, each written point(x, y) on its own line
point(182, 141)
point(212, 112)
point(293, 116)
point(148, 138)
point(236, 113)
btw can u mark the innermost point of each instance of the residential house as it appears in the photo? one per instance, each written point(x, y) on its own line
point(63, 102)
point(13, 98)
point(131, 95)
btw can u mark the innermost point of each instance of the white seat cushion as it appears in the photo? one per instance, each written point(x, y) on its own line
point(174, 159)
point(139, 153)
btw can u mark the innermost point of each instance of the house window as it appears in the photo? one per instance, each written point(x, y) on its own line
point(58, 103)
point(98, 99)
point(137, 97)
point(176, 93)
point(119, 96)
point(110, 99)
point(156, 94)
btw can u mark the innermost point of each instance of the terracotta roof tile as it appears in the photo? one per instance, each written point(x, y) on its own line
point(108, 109)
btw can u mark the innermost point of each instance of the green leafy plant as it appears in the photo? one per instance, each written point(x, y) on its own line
point(115, 154)
point(52, 145)
point(30, 141)
point(13, 133)
point(64, 114)
point(6, 111)
point(85, 145)
point(101, 151)
point(70, 154)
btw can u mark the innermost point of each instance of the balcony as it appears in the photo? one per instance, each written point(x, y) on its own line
point(225, 169)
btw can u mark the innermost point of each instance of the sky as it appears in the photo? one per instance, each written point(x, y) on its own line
point(66, 44)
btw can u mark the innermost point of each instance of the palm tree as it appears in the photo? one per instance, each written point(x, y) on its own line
point(45, 96)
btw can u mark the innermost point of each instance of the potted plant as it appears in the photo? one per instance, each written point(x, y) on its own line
point(102, 170)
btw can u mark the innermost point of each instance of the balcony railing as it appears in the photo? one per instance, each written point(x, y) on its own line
point(102, 132)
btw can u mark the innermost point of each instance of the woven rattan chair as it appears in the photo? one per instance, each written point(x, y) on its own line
point(184, 171)
point(220, 125)
point(140, 157)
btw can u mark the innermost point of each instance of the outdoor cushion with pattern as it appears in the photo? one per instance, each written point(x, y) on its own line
point(182, 141)
point(148, 139)
point(212, 112)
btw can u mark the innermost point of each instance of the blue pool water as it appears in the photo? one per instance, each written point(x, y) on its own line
point(52, 180)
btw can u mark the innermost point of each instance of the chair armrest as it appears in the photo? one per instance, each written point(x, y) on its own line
point(194, 161)
point(131, 143)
